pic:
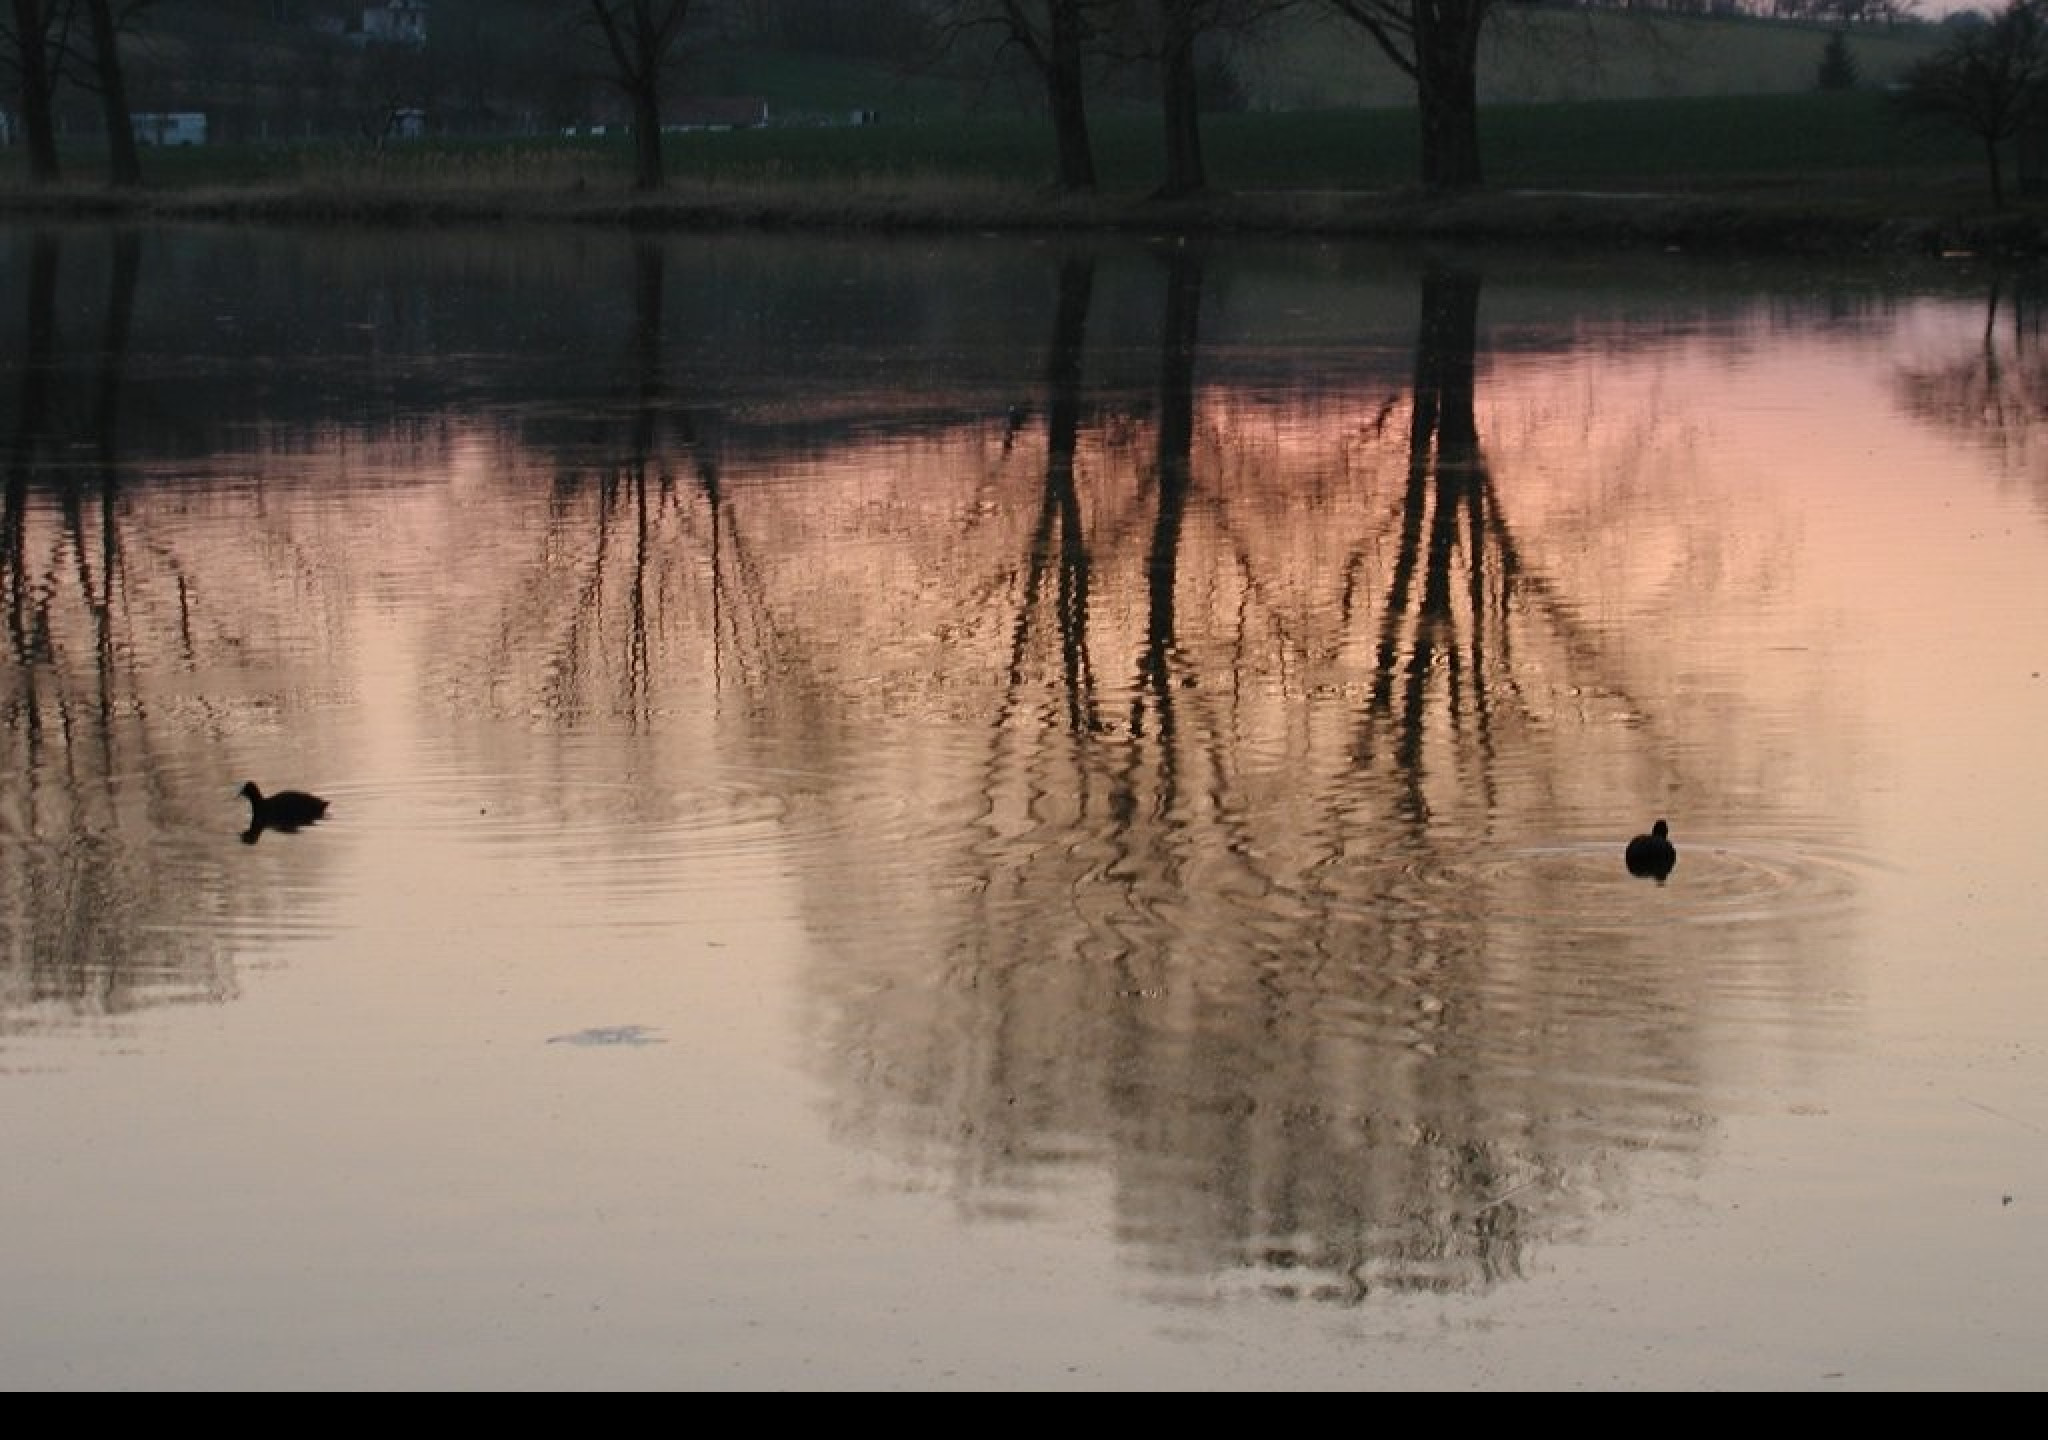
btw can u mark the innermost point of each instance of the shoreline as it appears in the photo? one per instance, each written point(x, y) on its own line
point(1733, 222)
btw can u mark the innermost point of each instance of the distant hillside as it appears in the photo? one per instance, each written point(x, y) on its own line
point(1314, 61)
point(1536, 54)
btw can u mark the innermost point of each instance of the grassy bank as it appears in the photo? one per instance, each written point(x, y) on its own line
point(1796, 170)
point(1664, 143)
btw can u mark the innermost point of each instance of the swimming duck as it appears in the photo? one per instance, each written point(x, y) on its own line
point(286, 810)
point(1652, 855)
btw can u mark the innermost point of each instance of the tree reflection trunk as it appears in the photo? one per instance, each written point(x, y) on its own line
point(31, 425)
point(1448, 520)
point(649, 288)
point(1060, 509)
point(123, 273)
point(1180, 333)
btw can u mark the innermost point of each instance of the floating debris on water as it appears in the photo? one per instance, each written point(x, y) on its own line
point(610, 1035)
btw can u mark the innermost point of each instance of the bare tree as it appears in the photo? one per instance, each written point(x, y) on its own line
point(1436, 44)
point(42, 49)
point(1053, 37)
point(1991, 80)
point(1171, 35)
point(1053, 34)
point(641, 37)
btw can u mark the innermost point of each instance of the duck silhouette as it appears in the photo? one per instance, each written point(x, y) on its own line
point(1013, 425)
point(1651, 856)
point(286, 810)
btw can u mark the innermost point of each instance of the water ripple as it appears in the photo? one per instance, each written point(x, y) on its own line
point(1581, 885)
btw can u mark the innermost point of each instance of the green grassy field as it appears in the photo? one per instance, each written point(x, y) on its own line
point(1688, 143)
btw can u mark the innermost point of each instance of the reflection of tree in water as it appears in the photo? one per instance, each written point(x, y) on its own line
point(1121, 758)
point(106, 899)
point(641, 586)
point(1447, 509)
point(1996, 389)
point(628, 499)
point(1219, 938)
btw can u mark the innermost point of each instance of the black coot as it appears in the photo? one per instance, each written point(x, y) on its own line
point(1652, 855)
point(286, 810)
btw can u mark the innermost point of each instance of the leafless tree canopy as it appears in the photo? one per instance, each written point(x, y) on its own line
point(1991, 80)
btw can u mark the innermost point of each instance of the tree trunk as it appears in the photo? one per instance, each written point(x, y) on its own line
point(639, 36)
point(1185, 174)
point(1997, 172)
point(1066, 92)
point(1436, 42)
point(124, 166)
point(646, 101)
point(1447, 91)
point(36, 84)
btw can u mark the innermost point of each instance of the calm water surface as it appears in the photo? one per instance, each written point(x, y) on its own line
point(975, 813)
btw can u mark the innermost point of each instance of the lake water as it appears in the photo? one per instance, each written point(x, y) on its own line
point(966, 812)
